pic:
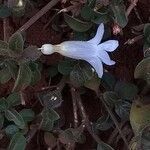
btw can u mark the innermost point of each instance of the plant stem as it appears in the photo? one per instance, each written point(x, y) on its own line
point(131, 7)
point(113, 118)
point(85, 118)
point(75, 109)
point(38, 15)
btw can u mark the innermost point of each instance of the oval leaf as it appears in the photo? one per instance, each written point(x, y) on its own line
point(77, 24)
point(18, 142)
point(142, 70)
point(16, 43)
point(13, 115)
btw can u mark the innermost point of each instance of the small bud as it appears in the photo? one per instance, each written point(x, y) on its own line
point(47, 49)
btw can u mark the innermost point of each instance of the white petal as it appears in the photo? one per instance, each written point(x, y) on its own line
point(99, 34)
point(103, 55)
point(109, 46)
point(97, 65)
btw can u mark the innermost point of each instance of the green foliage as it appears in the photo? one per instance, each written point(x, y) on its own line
point(145, 138)
point(18, 142)
point(13, 99)
point(1, 120)
point(50, 99)
point(142, 70)
point(81, 73)
point(147, 36)
point(126, 90)
point(27, 115)
point(119, 13)
point(24, 77)
point(16, 43)
point(71, 136)
point(66, 66)
point(104, 123)
point(77, 24)
point(4, 11)
point(5, 75)
point(49, 116)
point(12, 129)
point(13, 115)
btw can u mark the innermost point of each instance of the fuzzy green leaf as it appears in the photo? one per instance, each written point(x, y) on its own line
point(13, 115)
point(77, 24)
point(18, 142)
point(16, 43)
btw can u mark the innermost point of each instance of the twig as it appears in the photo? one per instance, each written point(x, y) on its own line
point(114, 133)
point(38, 15)
point(131, 7)
point(85, 117)
point(133, 40)
point(74, 108)
point(138, 15)
point(113, 118)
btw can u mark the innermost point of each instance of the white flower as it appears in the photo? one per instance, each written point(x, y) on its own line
point(91, 51)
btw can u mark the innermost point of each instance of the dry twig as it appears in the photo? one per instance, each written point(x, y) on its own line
point(38, 15)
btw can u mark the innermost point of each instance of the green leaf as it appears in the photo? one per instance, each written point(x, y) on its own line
point(13, 115)
point(104, 123)
point(87, 13)
point(147, 31)
point(1, 120)
point(65, 67)
point(81, 73)
point(48, 119)
point(77, 24)
point(27, 114)
point(111, 98)
point(52, 71)
point(3, 45)
point(104, 146)
point(24, 77)
point(142, 70)
point(4, 11)
point(93, 83)
point(13, 68)
point(10, 130)
point(139, 115)
point(16, 43)
point(36, 74)
point(120, 14)
point(144, 141)
point(13, 99)
point(31, 53)
point(71, 136)
point(18, 142)
point(122, 109)
point(3, 104)
point(108, 81)
point(5, 75)
point(50, 99)
point(126, 90)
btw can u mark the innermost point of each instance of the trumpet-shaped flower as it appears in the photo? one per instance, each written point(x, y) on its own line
point(91, 51)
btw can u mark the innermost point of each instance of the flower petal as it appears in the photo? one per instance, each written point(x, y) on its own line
point(103, 55)
point(77, 49)
point(99, 34)
point(109, 46)
point(97, 65)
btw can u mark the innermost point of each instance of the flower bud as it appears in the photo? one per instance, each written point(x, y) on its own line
point(47, 49)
